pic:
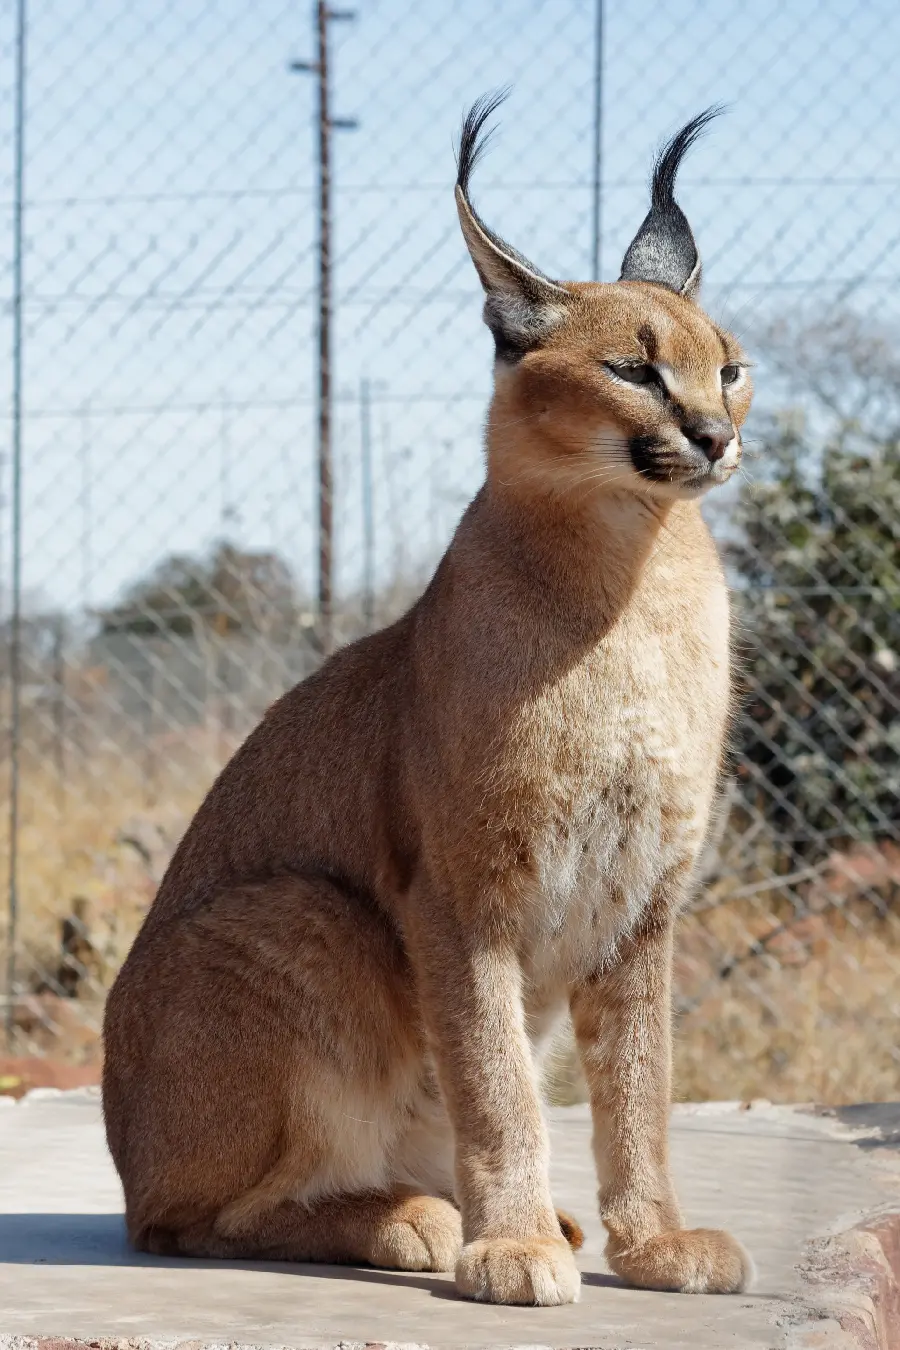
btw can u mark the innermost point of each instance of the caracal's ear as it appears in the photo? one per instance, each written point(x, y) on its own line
point(663, 250)
point(522, 305)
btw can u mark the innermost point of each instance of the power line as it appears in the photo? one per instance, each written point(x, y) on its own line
point(15, 643)
point(441, 185)
point(326, 125)
point(597, 165)
point(166, 406)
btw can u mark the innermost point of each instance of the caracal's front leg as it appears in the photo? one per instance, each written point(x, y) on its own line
point(622, 1020)
point(514, 1250)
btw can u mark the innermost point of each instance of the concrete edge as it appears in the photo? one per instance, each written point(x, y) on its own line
point(139, 1343)
point(883, 1117)
point(854, 1280)
point(759, 1105)
point(45, 1094)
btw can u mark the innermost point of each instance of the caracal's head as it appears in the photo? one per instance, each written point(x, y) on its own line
point(625, 386)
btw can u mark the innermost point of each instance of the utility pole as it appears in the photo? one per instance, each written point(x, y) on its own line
point(365, 434)
point(323, 16)
point(228, 512)
point(86, 515)
point(15, 623)
point(597, 166)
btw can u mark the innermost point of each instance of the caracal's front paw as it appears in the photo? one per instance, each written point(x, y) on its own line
point(539, 1271)
point(688, 1261)
point(422, 1233)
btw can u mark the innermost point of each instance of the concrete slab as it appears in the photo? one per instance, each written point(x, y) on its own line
point(778, 1177)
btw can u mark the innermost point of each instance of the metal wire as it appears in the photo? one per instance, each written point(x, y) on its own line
point(168, 494)
point(15, 627)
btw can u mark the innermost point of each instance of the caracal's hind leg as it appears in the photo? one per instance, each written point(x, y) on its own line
point(263, 1056)
point(399, 1230)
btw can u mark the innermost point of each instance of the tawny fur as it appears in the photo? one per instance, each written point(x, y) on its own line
point(325, 1042)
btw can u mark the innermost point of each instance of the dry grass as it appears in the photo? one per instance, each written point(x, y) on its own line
point(91, 853)
point(810, 1015)
point(813, 1019)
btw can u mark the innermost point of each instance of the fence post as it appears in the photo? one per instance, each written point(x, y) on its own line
point(15, 631)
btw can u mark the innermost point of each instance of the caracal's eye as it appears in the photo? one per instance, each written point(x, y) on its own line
point(730, 374)
point(635, 372)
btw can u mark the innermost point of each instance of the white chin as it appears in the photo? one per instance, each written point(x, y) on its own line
point(699, 489)
point(681, 492)
point(716, 478)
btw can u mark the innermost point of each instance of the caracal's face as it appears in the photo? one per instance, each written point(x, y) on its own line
point(634, 386)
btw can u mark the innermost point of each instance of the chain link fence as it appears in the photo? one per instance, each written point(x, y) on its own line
point(160, 520)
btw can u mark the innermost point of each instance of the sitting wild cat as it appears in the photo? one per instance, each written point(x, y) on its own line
point(324, 1045)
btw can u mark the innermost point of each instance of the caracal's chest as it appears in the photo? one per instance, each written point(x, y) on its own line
point(632, 741)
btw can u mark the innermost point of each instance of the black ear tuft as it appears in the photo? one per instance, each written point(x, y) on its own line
point(472, 144)
point(522, 305)
point(663, 250)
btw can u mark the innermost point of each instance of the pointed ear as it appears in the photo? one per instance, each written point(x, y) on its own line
point(522, 305)
point(663, 250)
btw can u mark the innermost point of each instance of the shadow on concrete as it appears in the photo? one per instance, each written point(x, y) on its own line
point(100, 1240)
point(883, 1118)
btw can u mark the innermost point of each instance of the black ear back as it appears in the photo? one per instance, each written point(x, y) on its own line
point(663, 250)
point(522, 305)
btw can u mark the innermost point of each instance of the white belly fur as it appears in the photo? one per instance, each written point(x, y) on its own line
point(636, 806)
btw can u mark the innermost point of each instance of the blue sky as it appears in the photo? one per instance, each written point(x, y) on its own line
point(169, 355)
